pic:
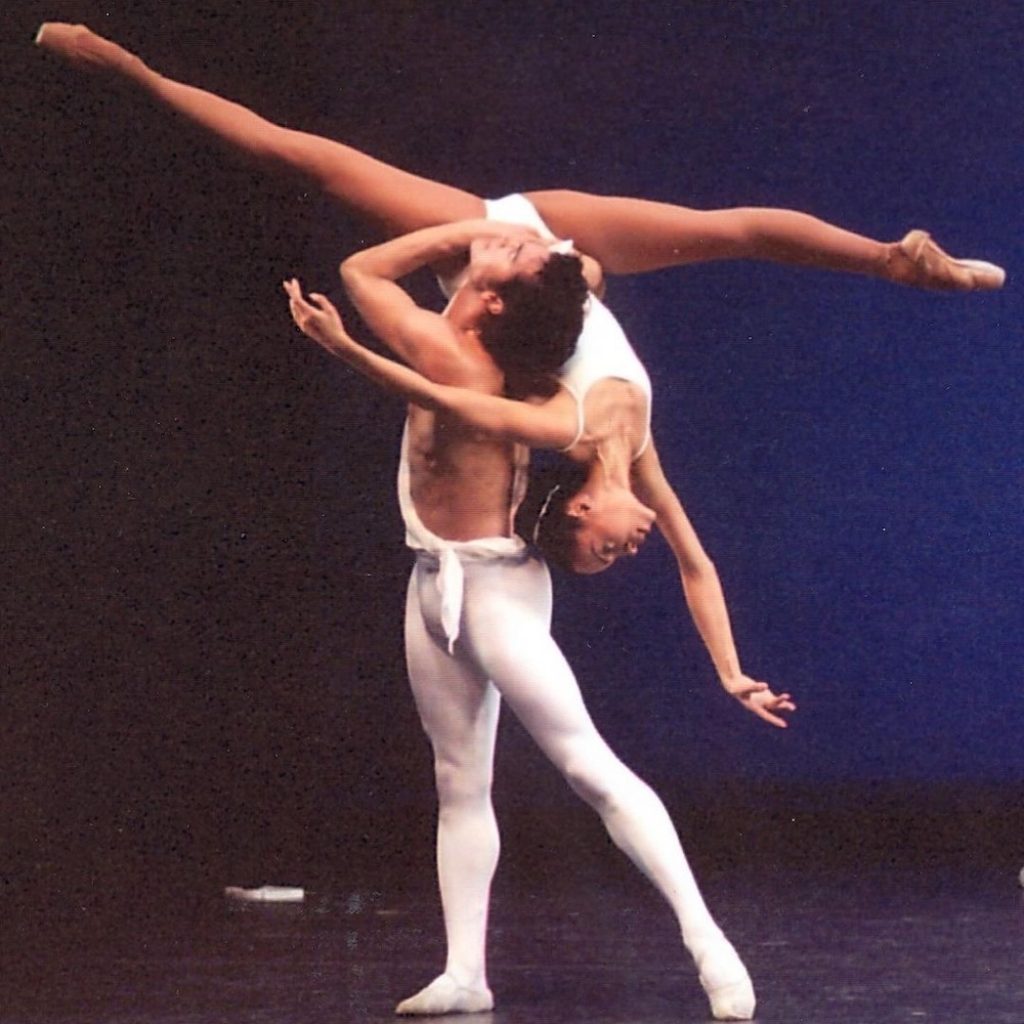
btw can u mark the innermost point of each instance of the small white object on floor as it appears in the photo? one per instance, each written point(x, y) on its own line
point(1020, 878)
point(267, 894)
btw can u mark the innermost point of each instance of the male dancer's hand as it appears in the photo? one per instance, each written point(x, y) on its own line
point(758, 698)
point(317, 318)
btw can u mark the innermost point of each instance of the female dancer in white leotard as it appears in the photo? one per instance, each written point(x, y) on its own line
point(623, 235)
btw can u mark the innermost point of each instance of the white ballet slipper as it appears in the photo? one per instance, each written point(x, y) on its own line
point(445, 995)
point(726, 982)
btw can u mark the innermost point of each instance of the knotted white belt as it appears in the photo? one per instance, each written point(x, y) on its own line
point(449, 555)
point(451, 577)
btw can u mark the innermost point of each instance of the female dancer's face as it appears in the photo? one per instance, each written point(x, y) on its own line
point(610, 526)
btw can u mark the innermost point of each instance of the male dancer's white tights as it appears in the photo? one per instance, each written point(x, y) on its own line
point(505, 650)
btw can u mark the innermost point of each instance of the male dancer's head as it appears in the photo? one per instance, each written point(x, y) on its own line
point(534, 302)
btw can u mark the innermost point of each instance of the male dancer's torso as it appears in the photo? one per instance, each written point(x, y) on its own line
point(465, 485)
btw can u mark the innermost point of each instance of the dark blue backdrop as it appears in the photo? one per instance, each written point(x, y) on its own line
point(848, 450)
point(205, 626)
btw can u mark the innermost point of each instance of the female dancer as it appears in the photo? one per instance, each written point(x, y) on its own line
point(625, 236)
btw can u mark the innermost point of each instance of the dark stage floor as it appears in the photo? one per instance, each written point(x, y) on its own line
point(846, 946)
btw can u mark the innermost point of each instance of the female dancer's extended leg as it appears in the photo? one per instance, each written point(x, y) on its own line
point(630, 236)
point(393, 199)
point(626, 235)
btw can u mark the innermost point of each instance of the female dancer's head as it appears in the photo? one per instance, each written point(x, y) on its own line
point(585, 525)
point(539, 315)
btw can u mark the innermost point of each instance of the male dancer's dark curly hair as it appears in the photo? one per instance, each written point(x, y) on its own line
point(537, 330)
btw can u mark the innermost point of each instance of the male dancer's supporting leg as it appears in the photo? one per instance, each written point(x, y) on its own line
point(506, 622)
point(459, 710)
point(626, 235)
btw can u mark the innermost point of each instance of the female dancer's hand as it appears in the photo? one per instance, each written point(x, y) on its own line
point(758, 698)
point(317, 318)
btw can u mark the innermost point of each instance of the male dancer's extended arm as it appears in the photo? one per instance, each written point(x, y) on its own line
point(703, 591)
point(551, 425)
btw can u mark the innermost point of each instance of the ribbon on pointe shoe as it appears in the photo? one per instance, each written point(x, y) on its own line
point(918, 261)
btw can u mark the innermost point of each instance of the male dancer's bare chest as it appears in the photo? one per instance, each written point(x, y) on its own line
point(460, 480)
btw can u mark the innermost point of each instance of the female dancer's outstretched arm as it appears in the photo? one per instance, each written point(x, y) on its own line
point(703, 591)
point(550, 425)
point(626, 235)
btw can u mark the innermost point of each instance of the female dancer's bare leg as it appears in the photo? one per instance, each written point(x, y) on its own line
point(630, 236)
point(626, 235)
point(635, 235)
point(394, 200)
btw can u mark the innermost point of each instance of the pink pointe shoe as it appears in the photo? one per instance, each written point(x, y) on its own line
point(81, 47)
point(917, 261)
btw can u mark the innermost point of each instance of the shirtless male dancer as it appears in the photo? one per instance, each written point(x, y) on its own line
point(628, 236)
point(478, 621)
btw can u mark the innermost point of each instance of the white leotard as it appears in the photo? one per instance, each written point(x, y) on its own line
point(603, 351)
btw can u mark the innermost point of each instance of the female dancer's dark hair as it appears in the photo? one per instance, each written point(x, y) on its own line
point(542, 518)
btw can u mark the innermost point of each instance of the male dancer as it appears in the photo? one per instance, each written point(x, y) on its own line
point(478, 623)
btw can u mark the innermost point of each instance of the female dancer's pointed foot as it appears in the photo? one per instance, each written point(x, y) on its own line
point(81, 47)
point(917, 261)
point(726, 982)
point(445, 995)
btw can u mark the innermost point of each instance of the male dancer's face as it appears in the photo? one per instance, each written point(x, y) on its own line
point(496, 261)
